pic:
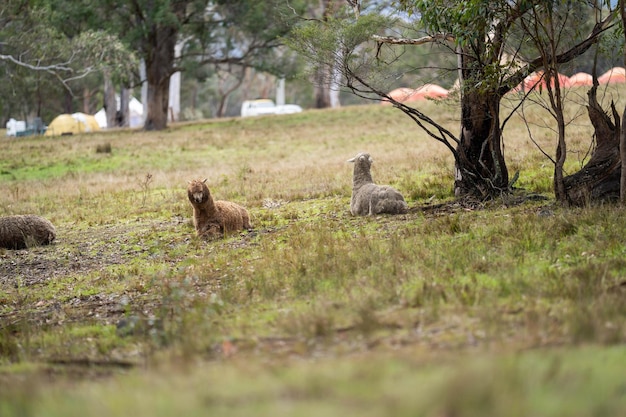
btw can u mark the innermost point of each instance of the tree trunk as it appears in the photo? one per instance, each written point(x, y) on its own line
point(556, 103)
point(622, 144)
point(480, 169)
point(561, 154)
point(159, 68)
point(110, 104)
point(322, 88)
point(86, 99)
point(622, 154)
point(158, 98)
point(229, 79)
point(323, 78)
point(67, 106)
point(221, 105)
point(124, 113)
point(599, 179)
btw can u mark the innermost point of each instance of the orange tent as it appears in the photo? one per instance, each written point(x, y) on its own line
point(564, 81)
point(537, 81)
point(613, 76)
point(404, 94)
point(429, 91)
point(401, 95)
point(580, 79)
point(533, 80)
point(529, 82)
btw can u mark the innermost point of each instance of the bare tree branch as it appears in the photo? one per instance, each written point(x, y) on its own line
point(46, 68)
point(415, 41)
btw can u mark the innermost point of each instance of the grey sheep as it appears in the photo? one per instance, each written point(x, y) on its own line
point(25, 230)
point(215, 218)
point(371, 199)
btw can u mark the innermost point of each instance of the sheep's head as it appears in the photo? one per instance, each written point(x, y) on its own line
point(362, 159)
point(197, 191)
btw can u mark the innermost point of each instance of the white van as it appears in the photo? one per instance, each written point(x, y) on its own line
point(263, 106)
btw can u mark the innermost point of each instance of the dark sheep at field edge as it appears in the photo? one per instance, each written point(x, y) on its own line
point(25, 230)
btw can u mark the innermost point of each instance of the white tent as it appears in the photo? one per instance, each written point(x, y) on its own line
point(135, 109)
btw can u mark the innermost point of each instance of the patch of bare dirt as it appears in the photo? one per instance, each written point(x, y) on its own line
point(75, 253)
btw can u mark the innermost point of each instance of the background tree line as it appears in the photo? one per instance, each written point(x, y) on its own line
point(227, 51)
point(231, 51)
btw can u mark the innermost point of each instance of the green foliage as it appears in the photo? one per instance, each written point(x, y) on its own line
point(248, 32)
point(467, 21)
point(346, 45)
point(64, 54)
point(104, 51)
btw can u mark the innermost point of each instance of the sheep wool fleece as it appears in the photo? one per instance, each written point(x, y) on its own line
point(22, 231)
point(368, 198)
point(215, 218)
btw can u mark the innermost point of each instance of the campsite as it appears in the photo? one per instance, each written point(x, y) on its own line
point(509, 307)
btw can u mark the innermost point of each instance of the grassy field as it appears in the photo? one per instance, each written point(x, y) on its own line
point(492, 309)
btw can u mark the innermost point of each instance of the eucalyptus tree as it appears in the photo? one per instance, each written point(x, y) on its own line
point(485, 37)
point(219, 32)
point(240, 36)
point(548, 29)
point(38, 56)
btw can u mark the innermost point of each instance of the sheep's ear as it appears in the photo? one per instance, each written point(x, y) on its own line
point(204, 182)
point(351, 159)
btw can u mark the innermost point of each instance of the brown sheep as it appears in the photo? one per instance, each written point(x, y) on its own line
point(24, 231)
point(215, 218)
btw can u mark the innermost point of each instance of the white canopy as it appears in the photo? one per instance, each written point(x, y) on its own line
point(136, 113)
